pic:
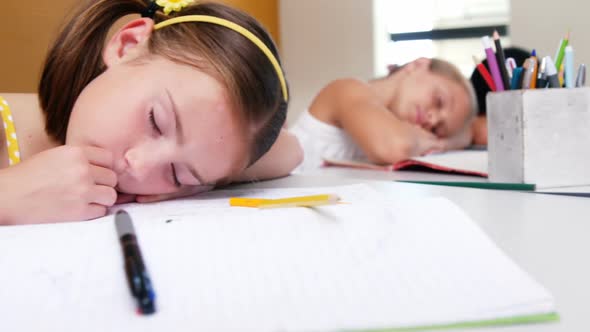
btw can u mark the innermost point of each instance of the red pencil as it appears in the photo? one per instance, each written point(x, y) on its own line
point(485, 74)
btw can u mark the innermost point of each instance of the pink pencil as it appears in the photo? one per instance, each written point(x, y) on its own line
point(481, 68)
point(493, 63)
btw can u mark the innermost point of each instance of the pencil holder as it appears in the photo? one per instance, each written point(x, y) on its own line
point(539, 136)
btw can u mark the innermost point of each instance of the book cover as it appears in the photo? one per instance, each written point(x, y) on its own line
point(466, 162)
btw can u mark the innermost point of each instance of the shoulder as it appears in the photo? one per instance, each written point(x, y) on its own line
point(16, 100)
point(337, 96)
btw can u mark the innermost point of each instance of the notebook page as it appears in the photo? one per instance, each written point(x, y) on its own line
point(368, 264)
point(472, 160)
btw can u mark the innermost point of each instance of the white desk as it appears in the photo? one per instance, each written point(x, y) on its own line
point(547, 235)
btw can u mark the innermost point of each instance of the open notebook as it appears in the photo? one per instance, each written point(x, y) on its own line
point(468, 162)
point(219, 268)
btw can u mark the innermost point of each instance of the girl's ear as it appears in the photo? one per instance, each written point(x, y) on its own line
point(129, 41)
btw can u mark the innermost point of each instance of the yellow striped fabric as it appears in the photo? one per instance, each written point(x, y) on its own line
point(10, 131)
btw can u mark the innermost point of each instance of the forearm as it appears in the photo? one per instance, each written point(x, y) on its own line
point(389, 150)
point(479, 131)
point(382, 137)
point(459, 141)
point(279, 161)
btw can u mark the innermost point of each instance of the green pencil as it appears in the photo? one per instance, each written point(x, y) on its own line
point(561, 51)
point(479, 185)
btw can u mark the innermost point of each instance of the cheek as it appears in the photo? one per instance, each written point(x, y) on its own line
point(456, 121)
point(416, 93)
point(155, 186)
point(107, 110)
point(104, 124)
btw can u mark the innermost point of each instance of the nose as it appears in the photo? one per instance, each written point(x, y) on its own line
point(142, 161)
point(432, 117)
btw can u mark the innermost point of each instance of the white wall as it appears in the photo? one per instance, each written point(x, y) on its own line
point(322, 40)
point(540, 24)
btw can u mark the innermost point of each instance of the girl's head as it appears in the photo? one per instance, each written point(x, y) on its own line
point(189, 104)
point(434, 95)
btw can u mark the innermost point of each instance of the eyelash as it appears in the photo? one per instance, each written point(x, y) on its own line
point(174, 177)
point(439, 102)
point(153, 122)
point(157, 129)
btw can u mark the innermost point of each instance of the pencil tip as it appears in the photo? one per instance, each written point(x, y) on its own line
point(496, 35)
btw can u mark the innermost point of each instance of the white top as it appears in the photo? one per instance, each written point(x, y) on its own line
point(320, 141)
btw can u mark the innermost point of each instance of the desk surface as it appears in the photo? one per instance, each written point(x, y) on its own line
point(547, 235)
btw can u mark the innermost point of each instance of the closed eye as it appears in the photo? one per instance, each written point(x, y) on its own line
point(439, 102)
point(153, 123)
point(434, 130)
point(175, 177)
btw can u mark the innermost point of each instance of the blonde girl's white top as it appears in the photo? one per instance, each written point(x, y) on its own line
point(320, 141)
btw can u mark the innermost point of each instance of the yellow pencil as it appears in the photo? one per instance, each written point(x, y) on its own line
point(561, 75)
point(534, 62)
point(299, 201)
point(247, 202)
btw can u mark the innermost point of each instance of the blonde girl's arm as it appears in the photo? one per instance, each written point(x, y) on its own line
point(351, 105)
point(460, 140)
point(284, 155)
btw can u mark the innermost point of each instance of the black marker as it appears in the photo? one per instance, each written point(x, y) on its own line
point(551, 71)
point(137, 276)
point(542, 74)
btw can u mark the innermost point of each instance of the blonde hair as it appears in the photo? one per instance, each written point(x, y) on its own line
point(450, 71)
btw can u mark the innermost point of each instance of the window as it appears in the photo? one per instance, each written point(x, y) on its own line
point(447, 29)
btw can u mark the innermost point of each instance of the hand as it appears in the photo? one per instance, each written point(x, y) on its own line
point(460, 140)
point(479, 130)
point(426, 142)
point(60, 184)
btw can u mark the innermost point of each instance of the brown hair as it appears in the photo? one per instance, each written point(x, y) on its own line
point(450, 71)
point(75, 60)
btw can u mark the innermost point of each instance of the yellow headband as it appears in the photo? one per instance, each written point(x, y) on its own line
point(237, 28)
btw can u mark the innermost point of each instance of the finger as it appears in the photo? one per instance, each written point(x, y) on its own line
point(153, 198)
point(392, 69)
point(125, 198)
point(431, 151)
point(98, 156)
point(422, 62)
point(103, 176)
point(94, 211)
point(189, 191)
point(428, 151)
point(103, 195)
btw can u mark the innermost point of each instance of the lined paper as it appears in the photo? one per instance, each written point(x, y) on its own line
point(372, 263)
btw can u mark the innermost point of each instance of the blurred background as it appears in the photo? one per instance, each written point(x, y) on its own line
point(321, 40)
